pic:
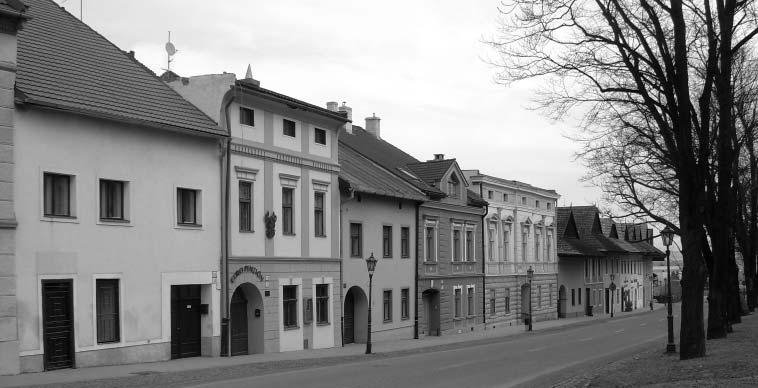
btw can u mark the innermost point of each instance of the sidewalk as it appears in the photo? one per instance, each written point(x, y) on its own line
point(348, 353)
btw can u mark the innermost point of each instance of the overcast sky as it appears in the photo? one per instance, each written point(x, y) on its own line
point(416, 64)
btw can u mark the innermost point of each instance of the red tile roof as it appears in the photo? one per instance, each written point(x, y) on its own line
point(64, 64)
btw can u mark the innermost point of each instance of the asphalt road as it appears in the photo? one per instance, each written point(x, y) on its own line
point(538, 359)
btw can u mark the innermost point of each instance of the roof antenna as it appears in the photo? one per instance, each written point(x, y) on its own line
point(170, 51)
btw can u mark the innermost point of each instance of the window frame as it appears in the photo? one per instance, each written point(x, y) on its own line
point(248, 228)
point(457, 246)
point(405, 303)
point(470, 245)
point(322, 304)
point(288, 302)
point(250, 113)
point(356, 238)
point(288, 211)
point(196, 205)
point(115, 283)
point(387, 241)
point(387, 305)
point(122, 202)
point(50, 212)
point(470, 301)
point(405, 242)
point(319, 220)
point(457, 300)
point(286, 126)
point(316, 132)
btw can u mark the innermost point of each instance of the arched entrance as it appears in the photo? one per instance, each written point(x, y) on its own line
point(562, 302)
point(356, 316)
point(246, 316)
point(526, 299)
point(431, 300)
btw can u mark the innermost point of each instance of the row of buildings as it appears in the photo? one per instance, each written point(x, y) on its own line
point(145, 218)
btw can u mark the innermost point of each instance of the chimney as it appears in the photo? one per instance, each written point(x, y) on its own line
point(372, 125)
point(332, 106)
point(349, 111)
point(439, 156)
point(12, 15)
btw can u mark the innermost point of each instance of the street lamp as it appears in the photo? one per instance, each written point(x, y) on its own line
point(371, 266)
point(612, 287)
point(667, 235)
point(530, 275)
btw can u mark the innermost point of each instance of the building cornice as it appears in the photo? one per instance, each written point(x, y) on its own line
point(281, 157)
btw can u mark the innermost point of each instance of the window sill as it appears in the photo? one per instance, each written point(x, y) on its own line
point(288, 328)
point(324, 236)
point(189, 226)
point(319, 144)
point(114, 222)
point(289, 234)
point(247, 231)
point(65, 219)
point(387, 321)
point(405, 257)
point(387, 257)
point(355, 257)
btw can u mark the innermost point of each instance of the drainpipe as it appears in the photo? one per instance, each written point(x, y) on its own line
point(225, 341)
point(415, 287)
point(484, 276)
point(342, 282)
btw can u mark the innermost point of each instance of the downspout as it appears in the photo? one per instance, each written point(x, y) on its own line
point(415, 253)
point(225, 227)
point(484, 276)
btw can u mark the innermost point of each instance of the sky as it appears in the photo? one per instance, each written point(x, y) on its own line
point(418, 65)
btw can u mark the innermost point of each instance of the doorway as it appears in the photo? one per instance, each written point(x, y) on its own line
point(562, 302)
point(431, 300)
point(185, 321)
point(607, 301)
point(526, 303)
point(588, 302)
point(355, 316)
point(246, 320)
point(58, 323)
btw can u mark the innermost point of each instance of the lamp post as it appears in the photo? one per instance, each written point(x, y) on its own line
point(667, 236)
point(529, 276)
point(612, 287)
point(371, 266)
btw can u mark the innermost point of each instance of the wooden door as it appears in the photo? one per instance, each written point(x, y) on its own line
point(185, 321)
point(238, 311)
point(58, 323)
point(348, 336)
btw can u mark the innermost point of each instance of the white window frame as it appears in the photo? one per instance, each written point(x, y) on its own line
point(430, 223)
point(199, 208)
point(73, 197)
point(457, 226)
point(472, 228)
point(127, 210)
point(470, 289)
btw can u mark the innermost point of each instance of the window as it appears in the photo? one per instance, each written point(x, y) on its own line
point(322, 304)
point(307, 311)
point(187, 206)
point(107, 310)
point(431, 248)
point(387, 305)
point(549, 247)
point(57, 193)
point(549, 205)
point(289, 306)
point(452, 186)
point(523, 200)
point(319, 136)
point(247, 116)
point(537, 204)
point(539, 296)
point(404, 303)
point(470, 245)
point(287, 214)
point(470, 301)
point(288, 127)
point(356, 240)
point(245, 206)
point(537, 236)
point(492, 301)
point(507, 300)
point(580, 296)
point(387, 241)
point(318, 214)
point(111, 200)
point(457, 302)
point(490, 194)
point(573, 297)
point(524, 242)
point(456, 245)
point(405, 242)
point(491, 243)
point(505, 197)
point(506, 241)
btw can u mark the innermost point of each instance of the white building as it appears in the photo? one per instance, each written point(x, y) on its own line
point(519, 233)
point(116, 196)
point(282, 234)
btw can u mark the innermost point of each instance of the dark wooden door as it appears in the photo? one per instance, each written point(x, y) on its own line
point(58, 323)
point(185, 321)
point(348, 336)
point(238, 311)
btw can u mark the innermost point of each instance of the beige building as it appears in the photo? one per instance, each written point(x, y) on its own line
point(519, 233)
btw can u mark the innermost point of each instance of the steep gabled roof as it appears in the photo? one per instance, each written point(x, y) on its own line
point(362, 175)
point(65, 65)
point(431, 171)
point(13, 8)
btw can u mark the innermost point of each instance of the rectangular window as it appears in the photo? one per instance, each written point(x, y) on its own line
point(404, 303)
point(470, 301)
point(387, 305)
point(430, 244)
point(247, 116)
point(246, 206)
point(187, 206)
point(318, 214)
point(356, 240)
point(580, 297)
point(319, 136)
point(549, 247)
point(573, 297)
point(470, 245)
point(507, 300)
point(457, 302)
point(523, 200)
point(287, 213)
point(537, 246)
point(539, 297)
point(492, 302)
point(322, 304)
point(307, 311)
point(387, 241)
point(506, 242)
point(405, 242)
point(491, 243)
point(289, 306)
point(490, 194)
point(537, 204)
point(505, 197)
point(549, 205)
point(524, 242)
point(111, 200)
point(107, 310)
point(288, 127)
point(456, 245)
point(57, 193)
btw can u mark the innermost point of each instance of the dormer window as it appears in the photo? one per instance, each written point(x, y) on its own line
point(453, 185)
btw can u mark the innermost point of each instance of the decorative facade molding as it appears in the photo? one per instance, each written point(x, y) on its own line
point(245, 173)
point(319, 185)
point(280, 157)
point(288, 180)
